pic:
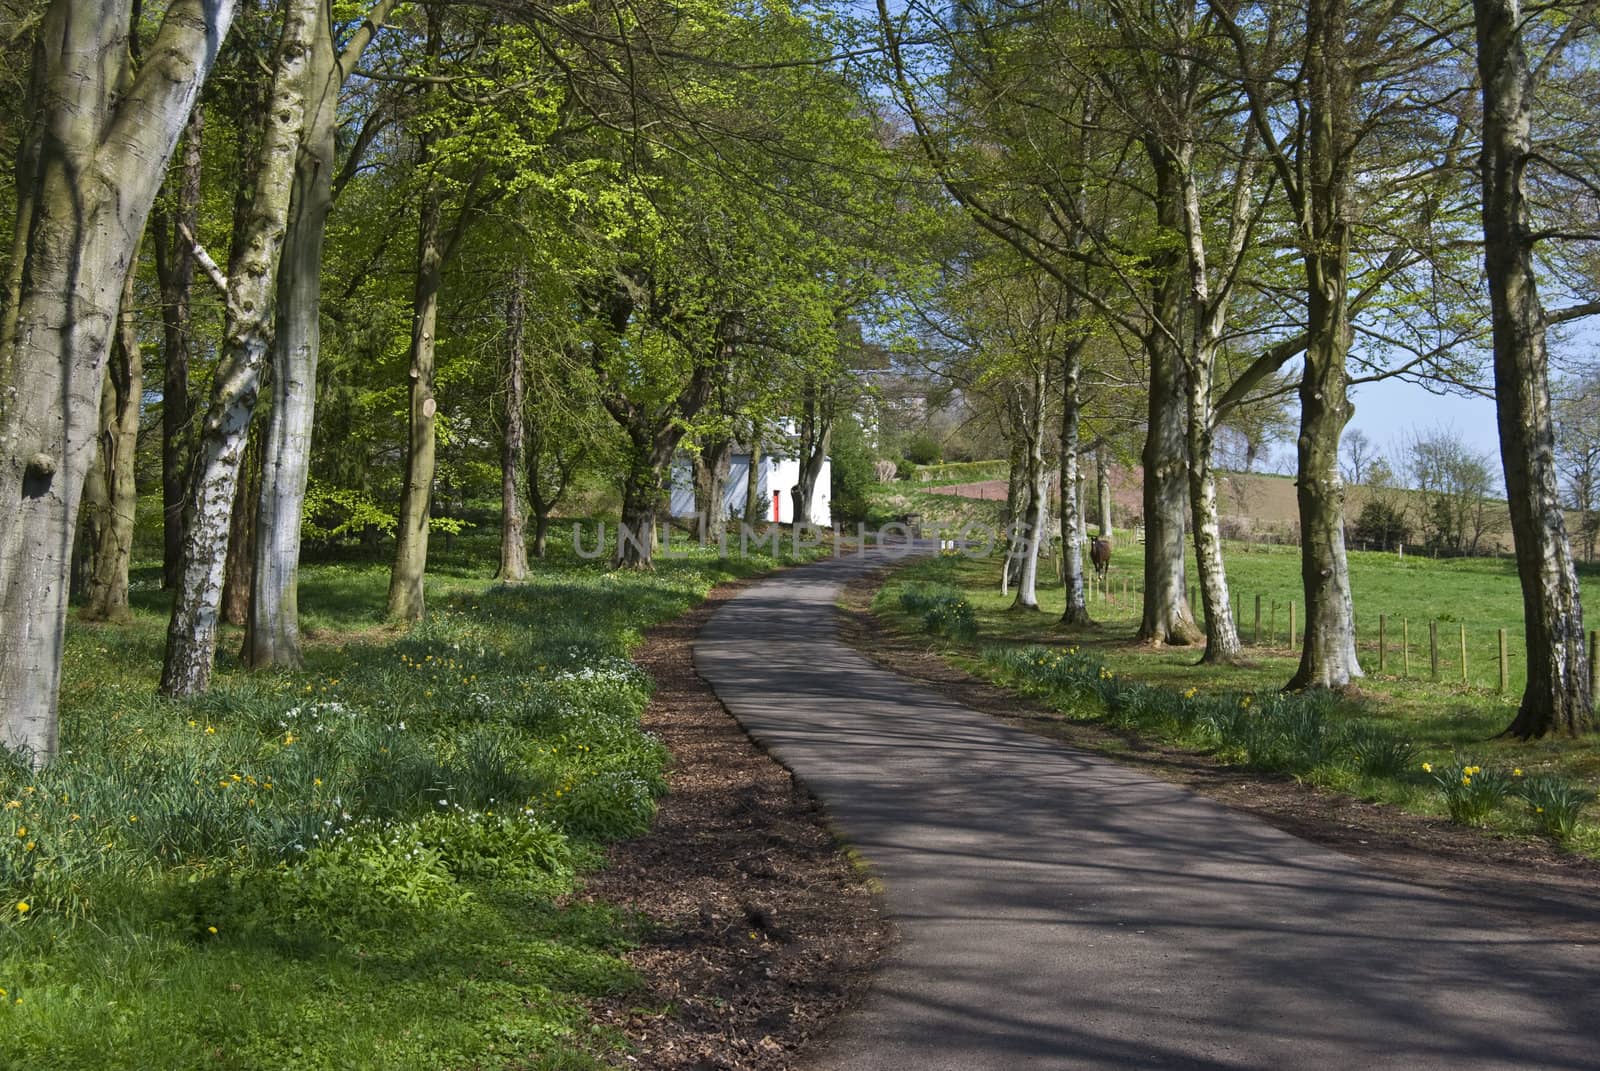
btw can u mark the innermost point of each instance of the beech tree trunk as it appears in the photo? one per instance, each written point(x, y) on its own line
point(106, 589)
point(816, 431)
point(1102, 474)
point(89, 178)
point(513, 539)
point(238, 575)
point(1328, 651)
point(1556, 697)
point(272, 636)
point(1077, 608)
point(1167, 617)
point(649, 461)
point(174, 255)
point(1037, 491)
point(754, 500)
point(251, 283)
point(1016, 503)
point(1222, 635)
point(710, 486)
point(411, 553)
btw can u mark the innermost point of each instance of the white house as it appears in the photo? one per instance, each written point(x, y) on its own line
point(775, 480)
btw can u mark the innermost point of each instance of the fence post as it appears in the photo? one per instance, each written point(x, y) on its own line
point(1383, 641)
point(1272, 625)
point(1504, 667)
point(1433, 650)
point(1405, 647)
point(1291, 624)
point(1256, 640)
point(1463, 653)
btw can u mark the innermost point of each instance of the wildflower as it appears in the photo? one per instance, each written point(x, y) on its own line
point(1538, 810)
point(22, 831)
point(316, 780)
point(1427, 767)
point(211, 730)
point(1466, 780)
point(1517, 772)
point(211, 929)
point(133, 818)
point(30, 846)
point(1189, 694)
point(22, 907)
point(288, 738)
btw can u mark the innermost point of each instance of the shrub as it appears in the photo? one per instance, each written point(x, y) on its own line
point(1554, 803)
point(944, 612)
point(1471, 793)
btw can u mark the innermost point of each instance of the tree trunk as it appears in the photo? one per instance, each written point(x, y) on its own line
point(710, 487)
point(541, 532)
point(754, 500)
point(1556, 697)
point(1328, 651)
point(106, 590)
point(1167, 619)
point(816, 431)
point(1015, 505)
point(1037, 490)
point(89, 179)
point(513, 540)
point(1222, 635)
point(411, 553)
point(1102, 474)
point(251, 285)
point(272, 636)
point(238, 574)
point(1077, 608)
point(174, 256)
point(641, 496)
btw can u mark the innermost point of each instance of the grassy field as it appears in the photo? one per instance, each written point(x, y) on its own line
point(1443, 722)
point(361, 865)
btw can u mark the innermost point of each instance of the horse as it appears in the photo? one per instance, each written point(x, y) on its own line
point(1100, 554)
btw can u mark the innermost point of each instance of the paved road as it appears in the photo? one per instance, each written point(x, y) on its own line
point(1060, 911)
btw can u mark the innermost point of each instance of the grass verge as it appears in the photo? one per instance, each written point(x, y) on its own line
point(1372, 745)
point(360, 865)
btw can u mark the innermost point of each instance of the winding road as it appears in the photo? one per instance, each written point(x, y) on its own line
point(1057, 910)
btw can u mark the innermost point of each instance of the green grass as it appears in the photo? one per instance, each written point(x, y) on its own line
point(361, 865)
point(1442, 721)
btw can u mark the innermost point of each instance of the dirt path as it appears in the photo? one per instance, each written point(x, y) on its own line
point(758, 930)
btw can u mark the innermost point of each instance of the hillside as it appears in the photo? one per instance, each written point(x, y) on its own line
point(1255, 507)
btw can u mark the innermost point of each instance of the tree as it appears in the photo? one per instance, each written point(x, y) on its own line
point(91, 170)
point(1577, 429)
point(110, 495)
point(1455, 488)
point(513, 539)
point(1556, 698)
point(1358, 454)
point(273, 634)
point(249, 287)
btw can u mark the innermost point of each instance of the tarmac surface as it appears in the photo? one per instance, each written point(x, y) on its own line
point(1057, 910)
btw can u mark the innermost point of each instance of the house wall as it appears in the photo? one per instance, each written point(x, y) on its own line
point(772, 474)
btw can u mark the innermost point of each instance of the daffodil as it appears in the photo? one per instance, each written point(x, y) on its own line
point(1427, 767)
